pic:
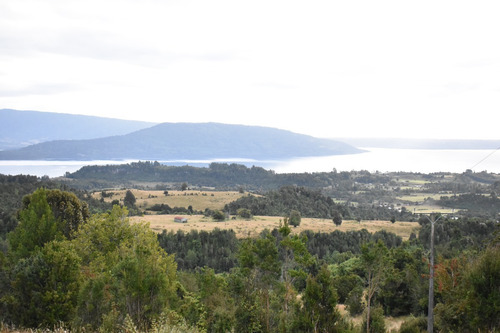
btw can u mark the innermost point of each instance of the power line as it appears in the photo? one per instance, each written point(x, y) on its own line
point(487, 156)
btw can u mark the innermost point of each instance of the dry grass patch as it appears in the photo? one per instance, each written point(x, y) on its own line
point(428, 209)
point(392, 324)
point(253, 227)
point(419, 197)
point(199, 200)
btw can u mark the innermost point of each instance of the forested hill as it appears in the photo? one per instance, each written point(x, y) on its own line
point(22, 128)
point(218, 175)
point(187, 141)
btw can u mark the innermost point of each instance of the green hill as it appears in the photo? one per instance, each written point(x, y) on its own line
point(187, 141)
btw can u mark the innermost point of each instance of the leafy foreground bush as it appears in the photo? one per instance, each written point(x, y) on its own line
point(91, 278)
point(159, 326)
point(165, 324)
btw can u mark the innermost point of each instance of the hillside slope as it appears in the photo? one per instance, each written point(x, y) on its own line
point(23, 128)
point(187, 141)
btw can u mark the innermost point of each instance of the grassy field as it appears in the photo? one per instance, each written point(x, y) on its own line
point(199, 200)
point(419, 197)
point(418, 204)
point(428, 209)
point(253, 227)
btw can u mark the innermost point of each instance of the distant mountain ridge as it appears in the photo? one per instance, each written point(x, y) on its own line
point(23, 128)
point(185, 141)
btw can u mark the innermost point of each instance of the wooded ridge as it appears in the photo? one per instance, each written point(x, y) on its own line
point(186, 141)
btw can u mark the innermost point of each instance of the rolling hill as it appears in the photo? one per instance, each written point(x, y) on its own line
point(186, 141)
point(23, 128)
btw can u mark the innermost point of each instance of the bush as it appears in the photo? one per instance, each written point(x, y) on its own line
point(218, 215)
point(337, 218)
point(377, 322)
point(354, 302)
point(414, 325)
point(244, 213)
point(295, 218)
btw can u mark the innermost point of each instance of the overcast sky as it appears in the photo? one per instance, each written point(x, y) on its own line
point(325, 68)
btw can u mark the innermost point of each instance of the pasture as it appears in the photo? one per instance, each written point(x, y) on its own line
point(253, 227)
point(197, 199)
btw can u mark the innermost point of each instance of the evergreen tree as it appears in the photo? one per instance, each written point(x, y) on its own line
point(126, 272)
point(259, 259)
point(337, 218)
point(470, 294)
point(294, 218)
point(129, 200)
point(319, 303)
point(37, 226)
point(44, 286)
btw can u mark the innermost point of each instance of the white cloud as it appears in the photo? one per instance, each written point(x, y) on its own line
point(325, 68)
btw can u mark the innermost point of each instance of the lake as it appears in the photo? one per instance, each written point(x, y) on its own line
point(375, 159)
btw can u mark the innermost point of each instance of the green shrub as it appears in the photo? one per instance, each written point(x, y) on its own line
point(377, 321)
point(414, 325)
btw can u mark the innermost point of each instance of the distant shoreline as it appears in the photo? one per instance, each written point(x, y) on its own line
point(374, 160)
point(406, 143)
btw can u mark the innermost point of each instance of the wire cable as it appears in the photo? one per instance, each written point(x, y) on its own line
point(487, 156)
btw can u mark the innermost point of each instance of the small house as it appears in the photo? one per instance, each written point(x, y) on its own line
point(180, 219)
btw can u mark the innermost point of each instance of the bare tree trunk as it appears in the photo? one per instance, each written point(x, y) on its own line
point(268, 326)
point(430, 310)
point(369, 301)
point(368, 317)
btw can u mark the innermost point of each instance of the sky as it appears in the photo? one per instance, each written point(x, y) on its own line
point(397, 69)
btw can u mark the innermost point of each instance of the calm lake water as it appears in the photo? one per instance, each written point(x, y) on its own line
point(375, 159)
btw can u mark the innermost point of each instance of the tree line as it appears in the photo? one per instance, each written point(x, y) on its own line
point(218, 249)
point(312, 203)
point(364, 189)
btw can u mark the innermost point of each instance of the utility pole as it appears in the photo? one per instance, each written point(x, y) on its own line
point(430, 311)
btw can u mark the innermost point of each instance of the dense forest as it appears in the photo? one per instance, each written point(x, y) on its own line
point(312, 203)
point(362, 189)
point(67, 263)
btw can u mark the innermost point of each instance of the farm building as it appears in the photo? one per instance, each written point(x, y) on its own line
point(180, 219)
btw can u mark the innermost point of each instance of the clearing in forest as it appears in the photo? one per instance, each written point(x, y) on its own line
point(254, 226)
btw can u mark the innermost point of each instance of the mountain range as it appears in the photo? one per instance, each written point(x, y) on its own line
point(24, 128)
point(72, 137)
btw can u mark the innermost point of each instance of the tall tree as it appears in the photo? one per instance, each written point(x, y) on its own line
point(294, 218)
point(37, 226)
point(260, 259)
point(126, 272)
point(129, 200)
point(470, 292)
point(295, 260)
point(68, 210)
point(337, 218)
point(430, 315)
point(44, 286)
point(376, 264)
point(214, 295)
point(320, 301)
